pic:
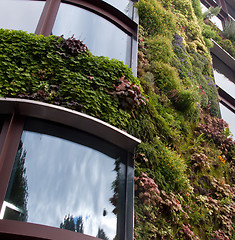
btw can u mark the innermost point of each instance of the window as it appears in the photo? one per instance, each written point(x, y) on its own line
point(124, 6)
point(100, 36)
point(223, 82)
point(229, 117)
point(20, 14)
point(54, 179)
point(63, 176)
point(108, 29)
point(214, 19)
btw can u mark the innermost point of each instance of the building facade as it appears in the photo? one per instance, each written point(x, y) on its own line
point(223, 62)
point(60, 169)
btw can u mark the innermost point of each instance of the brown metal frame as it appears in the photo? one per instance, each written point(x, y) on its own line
point(10, 230)
point(10, 137)
point(48, 16)
point(227, 100)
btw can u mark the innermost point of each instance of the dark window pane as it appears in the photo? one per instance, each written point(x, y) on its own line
point(66, 184)
point(20, 14)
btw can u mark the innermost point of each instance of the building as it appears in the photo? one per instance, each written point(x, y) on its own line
point(51, 129)
point(223, 62)
point(61, 169)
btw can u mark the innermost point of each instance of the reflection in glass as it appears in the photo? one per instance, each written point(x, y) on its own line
point(214, 19)
point(229, 117)
point(223, 82)
point(122, 5)
point(64, 184)
point(101, 37)
point(20, 15)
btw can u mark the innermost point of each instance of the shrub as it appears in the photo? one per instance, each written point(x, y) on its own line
point(216, 129)
point(159, 49)
point(155, 19)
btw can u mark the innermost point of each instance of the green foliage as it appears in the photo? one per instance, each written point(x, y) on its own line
point(165, 76)
point(179, 84)
point(32, 67)
point(155, 19)
point(211, 12)
point(197, 8)
point(159, 48)
point(229, 30)
point(167, 167)
point(182, 177)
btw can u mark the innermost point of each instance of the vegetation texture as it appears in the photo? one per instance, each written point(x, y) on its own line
point(184, 166)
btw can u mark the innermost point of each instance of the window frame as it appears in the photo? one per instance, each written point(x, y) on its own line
point(16, 112)
point(129, 25)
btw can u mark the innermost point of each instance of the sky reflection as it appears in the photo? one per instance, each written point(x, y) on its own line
point(20, 15)
point(68, 178)
point(100, 36)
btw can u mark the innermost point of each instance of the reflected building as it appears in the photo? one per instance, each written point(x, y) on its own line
point(223, 62)
point(66, 175)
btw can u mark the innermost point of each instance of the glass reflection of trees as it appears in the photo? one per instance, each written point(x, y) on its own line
point(17, 192)
point(77, 224)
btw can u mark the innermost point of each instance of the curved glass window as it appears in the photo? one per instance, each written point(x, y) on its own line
point(67, 179)
point(100, 36)
point(20, 14)
point(122, 5)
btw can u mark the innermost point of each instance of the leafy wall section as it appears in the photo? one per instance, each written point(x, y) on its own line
point(185, 163)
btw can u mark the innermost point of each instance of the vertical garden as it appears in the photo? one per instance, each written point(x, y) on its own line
point(184, 167)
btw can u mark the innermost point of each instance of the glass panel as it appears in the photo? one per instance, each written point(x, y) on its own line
point(124, 6)
point(213, 19)
point(64, 184)
point(20, 14)
point(229, 117)
point(223, 82)
point(101, 37)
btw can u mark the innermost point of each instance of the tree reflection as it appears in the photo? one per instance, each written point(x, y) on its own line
point(17, 192)
point(69, 224)
point(101, 234)
point(79, 225)
point(114, 198)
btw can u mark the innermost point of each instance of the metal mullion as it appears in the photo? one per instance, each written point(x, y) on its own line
point(9, 148)
point(3, 134)
point(48, 16)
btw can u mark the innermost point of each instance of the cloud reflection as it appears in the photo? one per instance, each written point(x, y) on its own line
point(69, 178)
